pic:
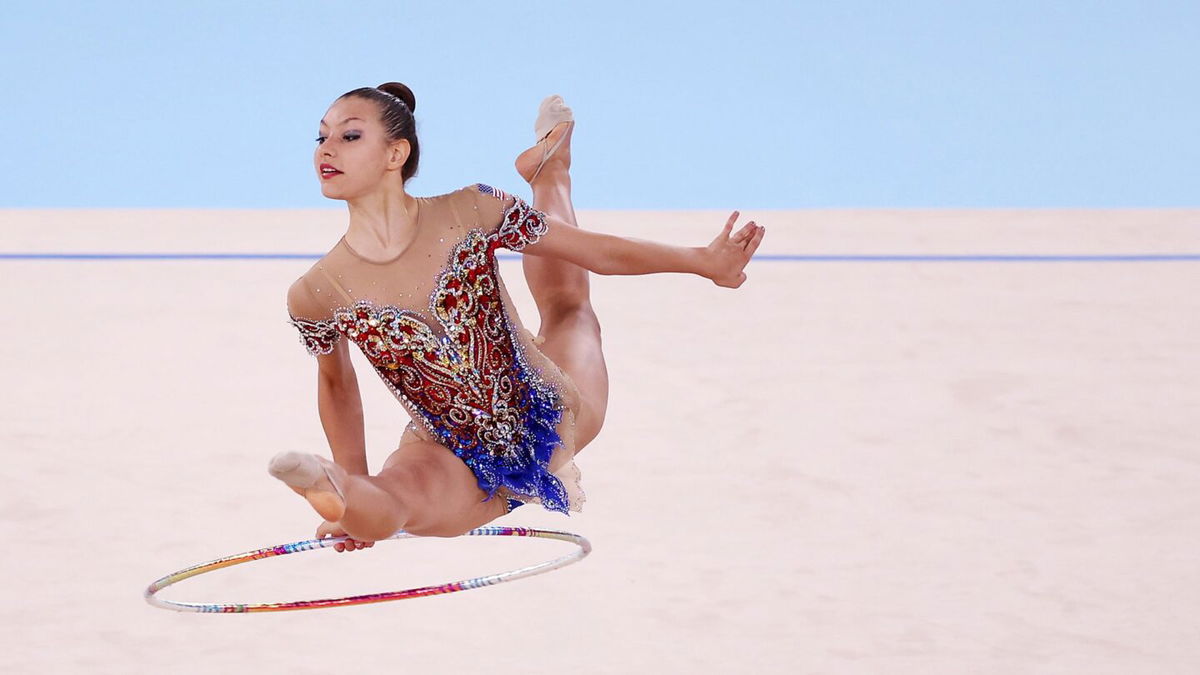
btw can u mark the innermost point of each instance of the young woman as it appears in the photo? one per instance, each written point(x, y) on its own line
point(498, 414)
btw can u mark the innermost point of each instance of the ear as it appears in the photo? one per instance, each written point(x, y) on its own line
point(398, 152)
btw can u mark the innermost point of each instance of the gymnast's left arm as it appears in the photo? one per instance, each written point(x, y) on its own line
point(722, 260)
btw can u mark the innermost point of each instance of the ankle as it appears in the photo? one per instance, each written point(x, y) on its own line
point(552, 178)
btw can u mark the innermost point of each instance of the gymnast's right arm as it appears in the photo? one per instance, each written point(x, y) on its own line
point(339, 402)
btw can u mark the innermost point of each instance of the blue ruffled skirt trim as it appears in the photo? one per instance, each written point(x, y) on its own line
point(530, 476)
point(525, 471)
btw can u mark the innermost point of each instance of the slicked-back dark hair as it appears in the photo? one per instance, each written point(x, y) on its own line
point(396, 106)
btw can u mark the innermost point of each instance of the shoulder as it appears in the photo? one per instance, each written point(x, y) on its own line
point(493, 196)
point(298, 296)
point(309, 296)
point(492, 203)
point(512, 222)
point(302, 302)
point(319, 335)
point(487, 190)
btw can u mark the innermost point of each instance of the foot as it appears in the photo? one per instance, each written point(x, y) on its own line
point(552, 152)
point(314, 478)
point(556, 164)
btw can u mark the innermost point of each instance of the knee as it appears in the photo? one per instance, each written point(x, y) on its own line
point(411, 478)
point(573, 314)
point(569, 292)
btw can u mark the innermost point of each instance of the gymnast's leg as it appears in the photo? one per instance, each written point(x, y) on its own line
point(423, 488)
point(561, 291)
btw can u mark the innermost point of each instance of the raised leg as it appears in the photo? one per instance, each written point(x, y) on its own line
point(562, 293)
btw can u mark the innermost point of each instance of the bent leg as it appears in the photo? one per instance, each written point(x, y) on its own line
point(568, 322)
point(555, 283)
point(424, 489)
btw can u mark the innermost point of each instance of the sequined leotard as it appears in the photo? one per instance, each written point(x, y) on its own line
point(472, 378)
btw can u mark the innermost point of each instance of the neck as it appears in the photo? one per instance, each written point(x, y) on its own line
point(386, 219)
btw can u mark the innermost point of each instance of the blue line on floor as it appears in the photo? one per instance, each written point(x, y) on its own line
point(1139, 257)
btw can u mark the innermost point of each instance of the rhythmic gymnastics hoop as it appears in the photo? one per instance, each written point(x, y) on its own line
point(585, 547)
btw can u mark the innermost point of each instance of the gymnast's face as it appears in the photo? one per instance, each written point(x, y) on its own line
point(353, 156)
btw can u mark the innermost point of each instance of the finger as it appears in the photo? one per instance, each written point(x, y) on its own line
point(743, 234)
point(750, 239)
point(729, 224)
point(753, 245)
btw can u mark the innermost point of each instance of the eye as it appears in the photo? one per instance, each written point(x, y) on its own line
point(348, 137)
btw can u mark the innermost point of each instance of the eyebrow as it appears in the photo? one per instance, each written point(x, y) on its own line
point(346, 120)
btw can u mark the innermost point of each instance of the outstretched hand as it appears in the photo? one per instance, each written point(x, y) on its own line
point(335, 530)
point(728, 254)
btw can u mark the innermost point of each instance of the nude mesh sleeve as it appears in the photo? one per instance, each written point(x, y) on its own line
point(520, 224)
point(317, 335)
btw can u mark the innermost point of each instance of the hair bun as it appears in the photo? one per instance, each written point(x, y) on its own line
point(401, 91)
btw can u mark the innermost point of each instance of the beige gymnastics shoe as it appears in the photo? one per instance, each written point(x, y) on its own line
point(551, 113)
point(314, 477)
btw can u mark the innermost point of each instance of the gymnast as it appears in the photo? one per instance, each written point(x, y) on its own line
point(498, 414)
